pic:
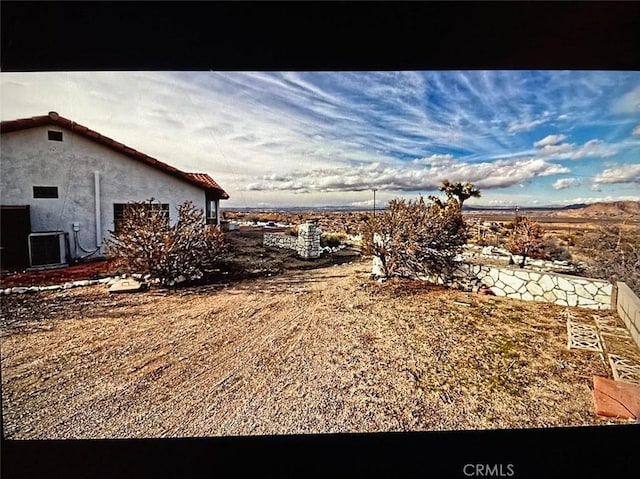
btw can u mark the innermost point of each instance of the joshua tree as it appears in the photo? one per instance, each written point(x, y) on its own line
point(461, 191)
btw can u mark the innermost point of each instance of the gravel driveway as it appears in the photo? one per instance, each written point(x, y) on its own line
point(316, 351)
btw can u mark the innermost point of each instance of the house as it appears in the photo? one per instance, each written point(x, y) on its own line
point(64, 186)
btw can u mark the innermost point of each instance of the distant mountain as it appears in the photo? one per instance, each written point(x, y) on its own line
point(305, 209)
point(609, 209)
point(613, 208)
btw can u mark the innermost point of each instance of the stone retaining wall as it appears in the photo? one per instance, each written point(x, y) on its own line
point(502, 255)
point(306, 244)
point(527, 285)
point(280, 240)
point(561, 289)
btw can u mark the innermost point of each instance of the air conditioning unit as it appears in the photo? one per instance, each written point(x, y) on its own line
point(48, 249)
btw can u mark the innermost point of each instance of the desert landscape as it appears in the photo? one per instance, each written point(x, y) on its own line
point(279, 345)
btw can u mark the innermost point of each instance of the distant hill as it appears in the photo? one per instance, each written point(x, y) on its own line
point(605, 209)
point(609, 209)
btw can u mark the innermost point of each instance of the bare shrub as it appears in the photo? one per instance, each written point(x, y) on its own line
point(554, 251)
point(332, 239)
point(146, 243)
point(412, 237)
point(614, 255)
point(526, 240)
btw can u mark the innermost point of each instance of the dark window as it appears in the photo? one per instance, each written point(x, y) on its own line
point(45, 191)
point(120, 212)
point(55, 135)
point(211, 212)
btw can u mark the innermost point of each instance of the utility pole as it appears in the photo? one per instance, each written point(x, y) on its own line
point(374, 202)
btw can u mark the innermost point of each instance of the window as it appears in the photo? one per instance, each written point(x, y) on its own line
point(120, 212)
point(55, 135)
point(212, 212)
point(45, 191)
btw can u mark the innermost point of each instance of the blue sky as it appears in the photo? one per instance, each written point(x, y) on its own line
point(524, 138)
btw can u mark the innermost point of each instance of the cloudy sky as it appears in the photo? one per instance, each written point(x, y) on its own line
point(524, 138)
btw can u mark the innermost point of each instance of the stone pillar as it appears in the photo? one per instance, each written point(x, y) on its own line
point(309, 240)
point(377, 268)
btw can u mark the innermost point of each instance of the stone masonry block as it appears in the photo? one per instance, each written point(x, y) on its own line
point(565, 285)
point(546, 283)
point(591, 288)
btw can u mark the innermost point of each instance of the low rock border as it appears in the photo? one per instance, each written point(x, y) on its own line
point(55, 287)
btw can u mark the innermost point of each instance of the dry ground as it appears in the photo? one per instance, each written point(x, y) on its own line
point(311, 351)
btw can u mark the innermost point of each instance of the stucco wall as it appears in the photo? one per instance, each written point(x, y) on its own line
point(30, 159)
point(628, 307)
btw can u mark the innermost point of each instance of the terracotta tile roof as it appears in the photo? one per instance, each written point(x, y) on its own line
point(205, 179)
point(201, 180)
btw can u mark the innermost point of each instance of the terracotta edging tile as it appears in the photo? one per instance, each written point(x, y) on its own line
point(616, 398)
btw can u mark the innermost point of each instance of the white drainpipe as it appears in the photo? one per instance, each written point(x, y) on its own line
point(96, 182)
point(218, 213)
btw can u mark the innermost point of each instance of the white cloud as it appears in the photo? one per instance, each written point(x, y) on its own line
point(550, 150)
point(364, 204)
point(498, 174)
point(434, 160)
point(636, 130)
point(515, 126)
point(272, 128)
point(619, 174)
point(595, 149)
point(563, 183)
point(549, 140)
point(629, 103)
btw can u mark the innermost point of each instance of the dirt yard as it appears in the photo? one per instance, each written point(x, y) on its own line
point(306, 351)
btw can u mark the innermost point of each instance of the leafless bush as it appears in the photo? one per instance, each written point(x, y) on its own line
point(146, 243)
point(526, 240)
point(554, 251)
point(412, 237)
point(614, 255)
point(332, 239)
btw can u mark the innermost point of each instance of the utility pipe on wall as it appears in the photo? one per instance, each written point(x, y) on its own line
point(96, 182)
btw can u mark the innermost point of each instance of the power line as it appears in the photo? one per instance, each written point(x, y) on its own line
point(224, 157)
